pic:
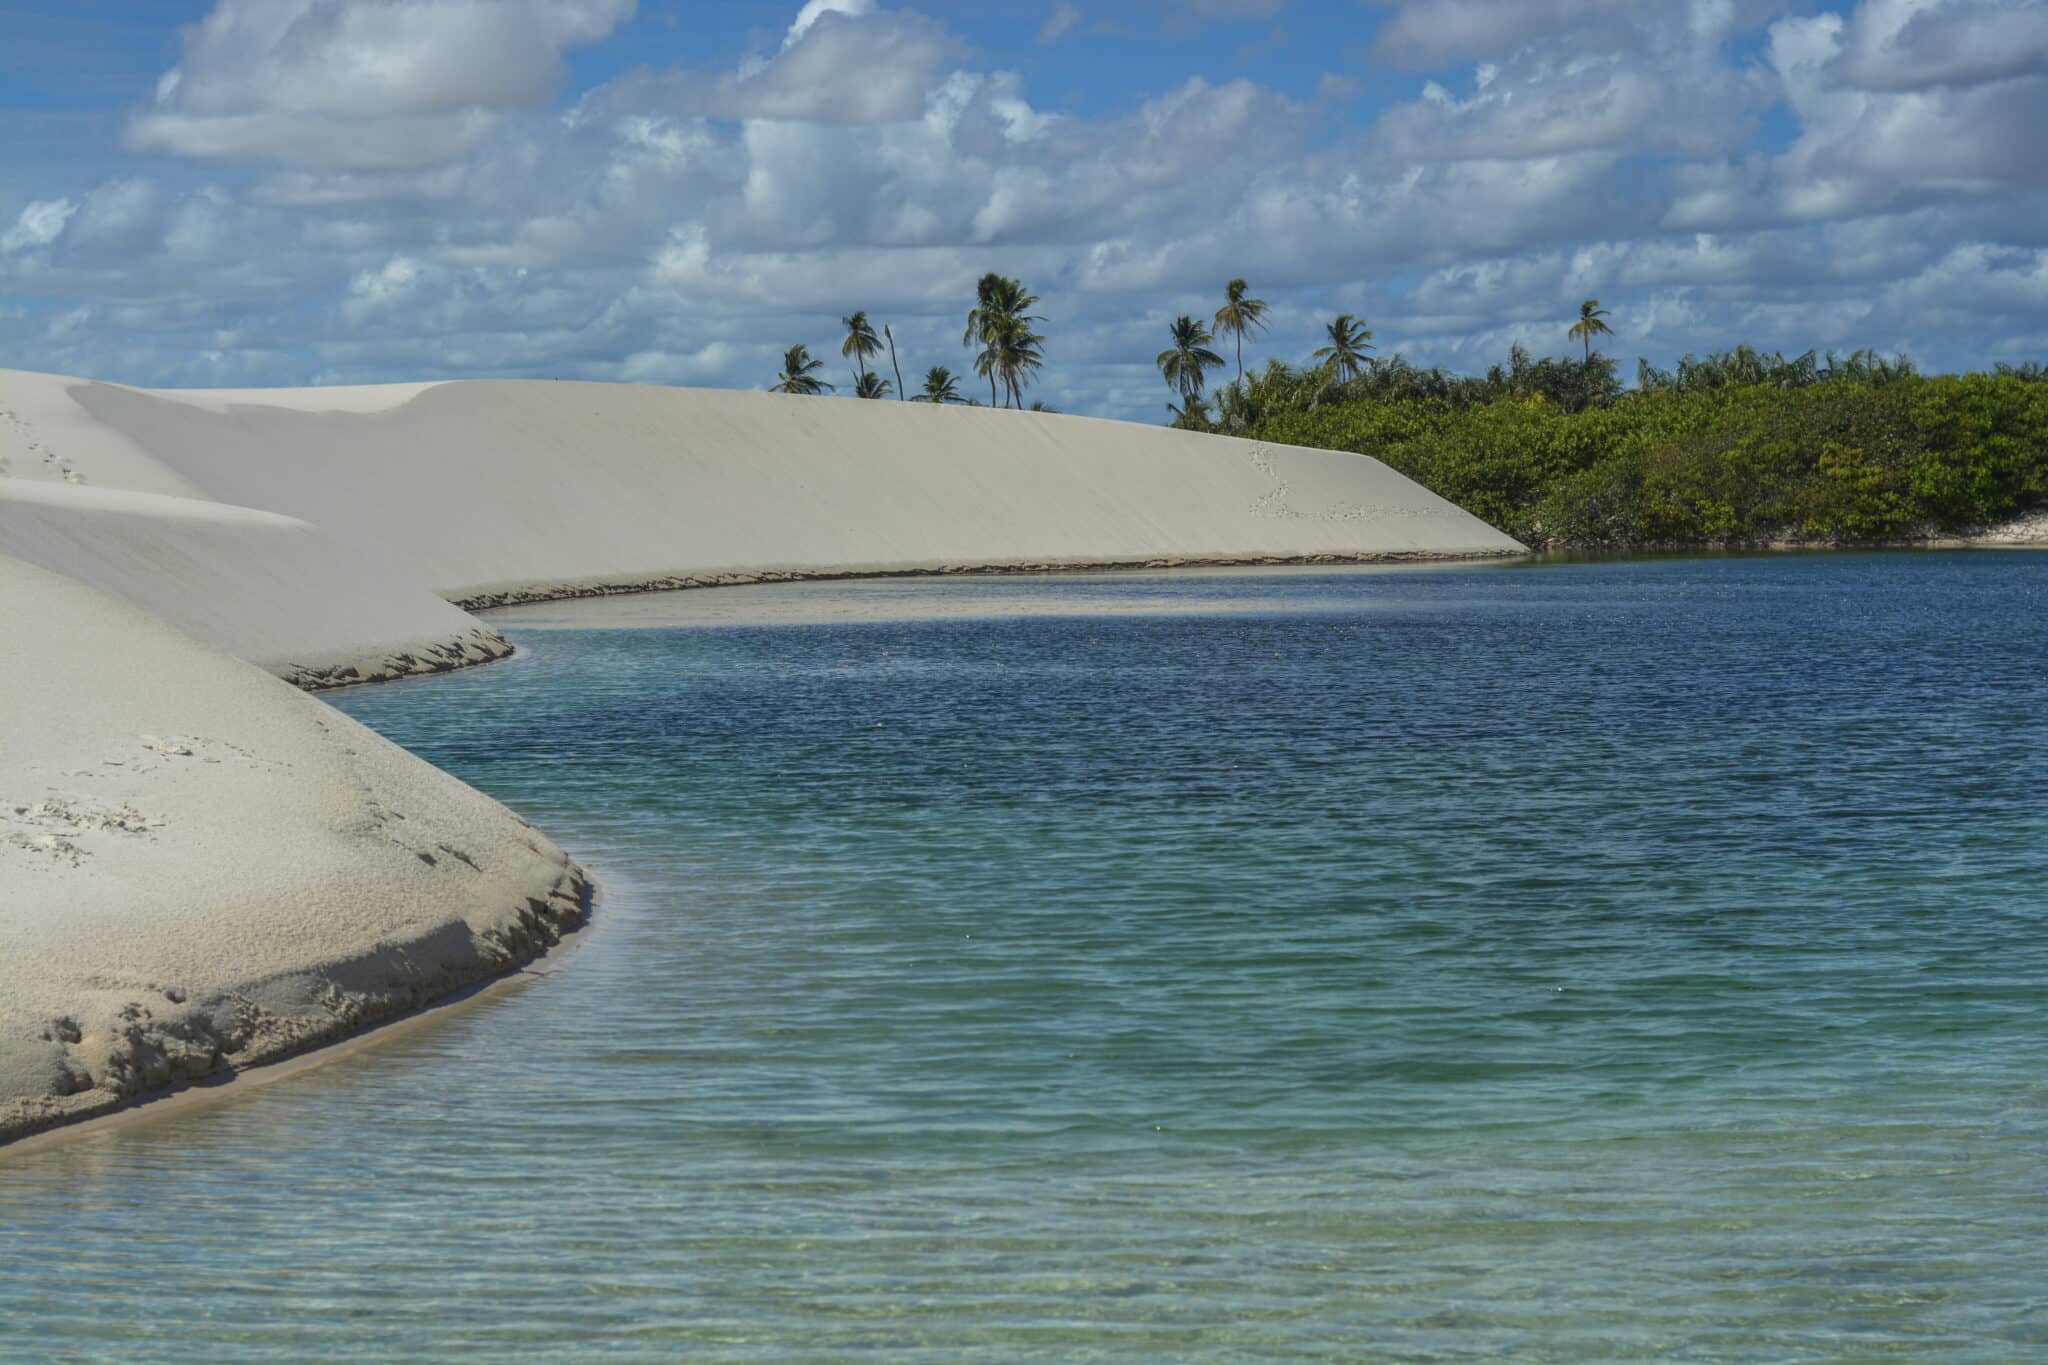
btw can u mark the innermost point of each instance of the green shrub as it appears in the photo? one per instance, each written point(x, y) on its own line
point(1853, 454)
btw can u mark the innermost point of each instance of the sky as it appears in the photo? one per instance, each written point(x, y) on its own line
point(255, 192)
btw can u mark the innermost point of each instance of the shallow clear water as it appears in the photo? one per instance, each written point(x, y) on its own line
point(1618, 960)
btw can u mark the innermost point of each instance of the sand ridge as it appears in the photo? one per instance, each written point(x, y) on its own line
point(500, 487)
point(271, 589)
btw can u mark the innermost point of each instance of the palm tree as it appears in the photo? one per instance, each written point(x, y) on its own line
point(871, 385)
point(797, 376)
point(891, 338)
point(1192, 414)
point(980, 323)
point(1589, 326)
point(1000, 322)
point(1239, 315)
point(1349, 341)
point(861, 341)
point(1182, 363)
point(939, 387)
point(1017, 356)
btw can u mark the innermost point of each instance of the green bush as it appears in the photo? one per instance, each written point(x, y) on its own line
point(1878, 454)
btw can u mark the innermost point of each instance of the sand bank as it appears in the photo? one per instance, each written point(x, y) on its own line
point(2028, 531)
point(202, 868)
point(273, 590)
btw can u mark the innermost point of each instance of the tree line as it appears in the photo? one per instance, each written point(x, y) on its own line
point(1343, 360)
point(1741, 447)
point(1001, 330)
point(1745, 447)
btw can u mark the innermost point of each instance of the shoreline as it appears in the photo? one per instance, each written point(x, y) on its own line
point(232, 1082)
point(1569, 553)
point(2027, 531)
point(204, 869)
point(236, 1082)
point(519, 595)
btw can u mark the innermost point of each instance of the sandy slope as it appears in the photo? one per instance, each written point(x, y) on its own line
point(512, 487)
point(2030, 530)
point(201, 867)
point(266, 588)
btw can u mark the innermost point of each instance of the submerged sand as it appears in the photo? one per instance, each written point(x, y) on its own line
point(202, 868)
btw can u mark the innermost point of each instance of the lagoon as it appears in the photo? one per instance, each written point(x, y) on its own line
point(1545, 961)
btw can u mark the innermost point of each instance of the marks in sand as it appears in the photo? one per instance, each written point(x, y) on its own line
point(64, 824)
point(1277, 501)
point(52, 827)
point(26, 441)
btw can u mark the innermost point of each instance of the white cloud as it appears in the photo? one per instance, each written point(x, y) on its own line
point(1434, 33)
point(1913, 44)
point(364, 83)
point(1573, 76)
point(1876, 146)
point(1064, 17)
point(38, 224)
point(119, 213)
point(815, 10)
point(841, 64)
point(376, 291)
point(1543, 110)
point(684, 225)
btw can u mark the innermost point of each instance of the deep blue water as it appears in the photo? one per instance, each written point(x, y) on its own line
point(1613, 960)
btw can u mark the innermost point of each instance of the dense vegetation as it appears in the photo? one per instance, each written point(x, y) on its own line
point(1741, 448)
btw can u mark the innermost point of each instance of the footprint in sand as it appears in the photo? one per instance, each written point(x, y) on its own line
point(53, 825)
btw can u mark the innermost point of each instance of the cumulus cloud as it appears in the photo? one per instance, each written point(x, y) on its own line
point(814, 10)
point(1917, 91)
point(1898, 45)
point(362, 82)
point(38, 225)
point(843, 63)
point(1606, 75)
point(1434, 33)
point(685, 224)
point(1872, 141)
point(1543, 110)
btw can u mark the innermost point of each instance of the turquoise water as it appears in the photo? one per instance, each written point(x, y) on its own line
point(1595, 961)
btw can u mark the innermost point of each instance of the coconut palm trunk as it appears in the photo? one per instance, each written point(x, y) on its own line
point(900, 395)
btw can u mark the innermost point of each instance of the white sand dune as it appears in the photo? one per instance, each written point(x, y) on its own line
point(201, 868)
point(493, 490)
point(270, 589)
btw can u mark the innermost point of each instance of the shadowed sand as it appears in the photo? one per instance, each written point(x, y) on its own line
point(202, 868)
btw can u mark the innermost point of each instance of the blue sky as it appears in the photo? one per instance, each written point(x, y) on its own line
point(232, 192)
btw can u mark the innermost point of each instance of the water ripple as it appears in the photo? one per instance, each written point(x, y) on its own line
point(1604, 961)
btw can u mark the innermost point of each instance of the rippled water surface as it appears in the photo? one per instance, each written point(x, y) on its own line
point(1623, 960)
